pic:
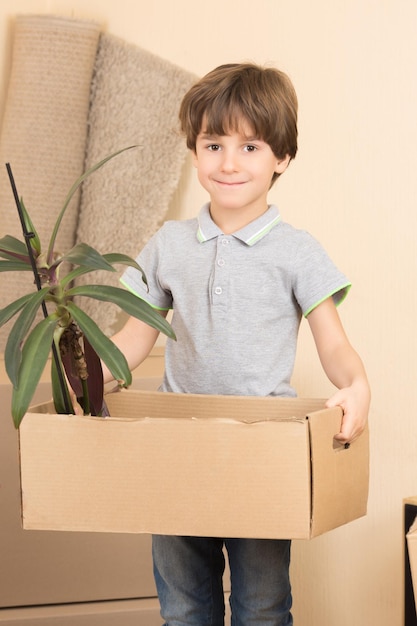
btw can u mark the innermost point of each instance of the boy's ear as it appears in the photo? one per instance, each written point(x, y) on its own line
point(282, 164)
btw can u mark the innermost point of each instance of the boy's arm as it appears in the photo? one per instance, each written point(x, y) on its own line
point(344, 369)
point(136, 339)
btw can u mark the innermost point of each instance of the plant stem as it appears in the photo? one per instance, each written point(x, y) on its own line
point(28, 236)
point(86, 397)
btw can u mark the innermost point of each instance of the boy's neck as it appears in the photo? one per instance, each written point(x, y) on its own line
point(230, 221)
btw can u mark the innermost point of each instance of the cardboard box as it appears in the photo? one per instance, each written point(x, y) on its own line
point(411, 537)
point(187, 464)
point(412, 554)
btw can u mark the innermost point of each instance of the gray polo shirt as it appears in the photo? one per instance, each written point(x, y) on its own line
point(237, 301)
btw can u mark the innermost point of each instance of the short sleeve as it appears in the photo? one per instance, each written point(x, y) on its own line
point(315, 276)
point(150, 260)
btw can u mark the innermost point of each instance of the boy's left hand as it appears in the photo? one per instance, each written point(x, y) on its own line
point(344, 369)
point(354, 402)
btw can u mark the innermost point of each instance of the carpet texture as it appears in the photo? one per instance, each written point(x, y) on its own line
point(135, 99)
point(75, 95)
point(44, 128)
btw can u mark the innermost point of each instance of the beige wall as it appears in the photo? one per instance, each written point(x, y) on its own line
point(353, 185)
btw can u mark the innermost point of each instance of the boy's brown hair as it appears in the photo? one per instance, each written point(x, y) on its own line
point(263, 96)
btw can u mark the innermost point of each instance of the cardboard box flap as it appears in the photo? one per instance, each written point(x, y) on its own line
point(340, 476)
point(246, 409)
point(139, 404)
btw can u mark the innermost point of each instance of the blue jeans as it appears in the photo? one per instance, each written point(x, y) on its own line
point(188, 575)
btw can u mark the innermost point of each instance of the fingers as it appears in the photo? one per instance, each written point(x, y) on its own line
point(354, 415)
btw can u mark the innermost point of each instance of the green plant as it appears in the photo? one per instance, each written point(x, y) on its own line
point(77, 343)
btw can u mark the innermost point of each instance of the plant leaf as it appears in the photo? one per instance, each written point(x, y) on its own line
point(124, 259)
point(85, 255)
point(15, 250)
point(95, 381)
point(72, 192)
point(34, 356)
point(105, 348)
point(112, 258)
point(14, 307)
point(128, 302)
point(12, 353)
point(12, 245)
point(35, 242)
point(15, 266)
point(57, 392)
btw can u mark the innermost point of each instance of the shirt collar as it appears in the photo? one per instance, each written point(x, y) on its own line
point(249, 234)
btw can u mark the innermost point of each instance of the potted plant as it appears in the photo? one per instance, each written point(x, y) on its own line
point(77, 343)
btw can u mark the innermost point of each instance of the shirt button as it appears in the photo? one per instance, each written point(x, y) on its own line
point(218, 291)
point(220, 262)
point(225, 242)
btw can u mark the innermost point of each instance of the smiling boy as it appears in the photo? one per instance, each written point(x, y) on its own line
point(239, 279)
point(236, 170)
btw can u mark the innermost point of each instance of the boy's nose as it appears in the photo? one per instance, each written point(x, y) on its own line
point(229, 161)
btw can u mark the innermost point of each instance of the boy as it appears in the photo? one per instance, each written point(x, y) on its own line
point(238, 280)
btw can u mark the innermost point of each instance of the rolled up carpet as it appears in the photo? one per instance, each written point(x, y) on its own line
point(44, 130)
point(135, 100)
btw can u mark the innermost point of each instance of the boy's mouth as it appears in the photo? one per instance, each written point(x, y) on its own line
point(230, 183)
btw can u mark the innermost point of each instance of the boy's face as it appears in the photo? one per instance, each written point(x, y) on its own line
point(236, 170)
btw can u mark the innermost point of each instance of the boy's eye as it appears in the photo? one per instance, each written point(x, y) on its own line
point(250, 148)
point(214, 147)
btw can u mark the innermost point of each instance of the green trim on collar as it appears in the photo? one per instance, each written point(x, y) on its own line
point(249, 234)
point(200, 235)
point(264, 231)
